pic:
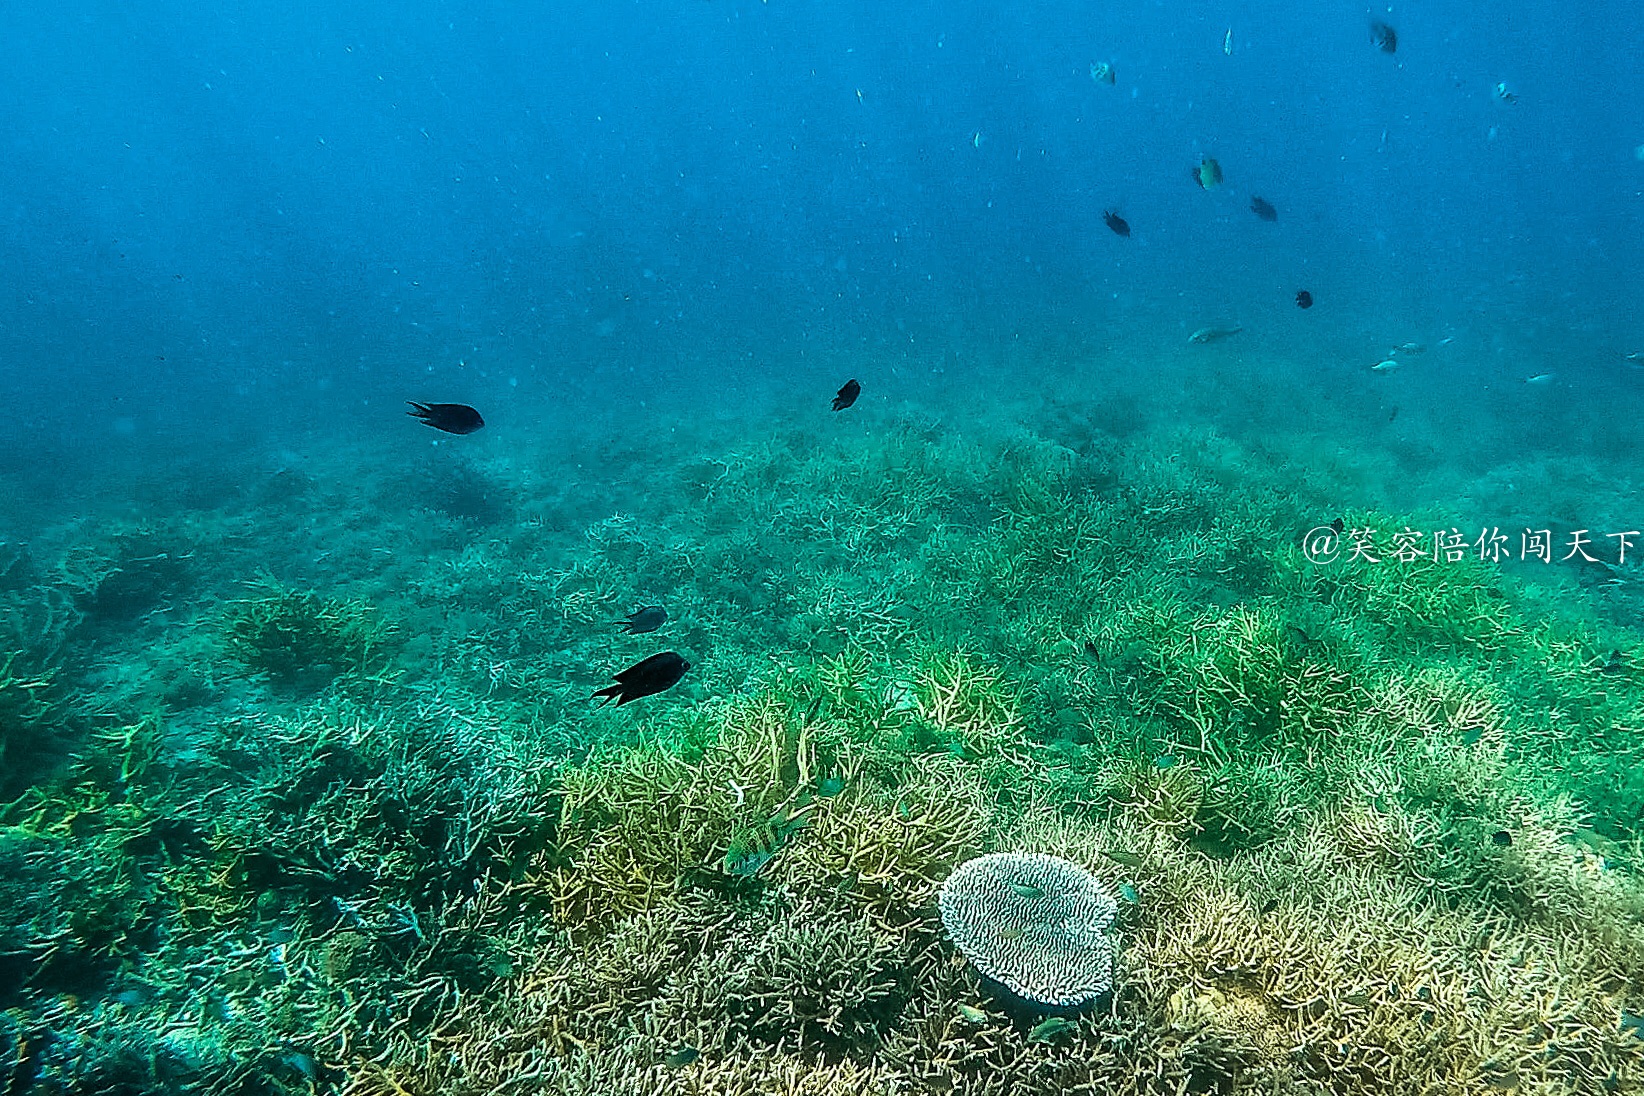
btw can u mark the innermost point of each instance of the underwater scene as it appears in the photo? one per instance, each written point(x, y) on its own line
point(765, 547)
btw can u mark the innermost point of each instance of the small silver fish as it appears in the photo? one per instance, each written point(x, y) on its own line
point(1213, 334)
point(1227, 42)
point(1408, 348)
point(1386, 366)
point(1541, 378)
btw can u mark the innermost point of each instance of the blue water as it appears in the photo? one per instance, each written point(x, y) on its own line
point(238, 227)
point(301, 788)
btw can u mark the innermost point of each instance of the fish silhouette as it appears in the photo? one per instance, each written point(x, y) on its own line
point(453, 418)
point(640, 621)
point(647, 677)
point(847, 395)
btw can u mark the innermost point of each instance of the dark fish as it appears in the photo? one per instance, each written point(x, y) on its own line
point(1117, 223)
point(653, 675)
point(453, 418)
point(1092, 650)
point(1501, 839)
point(847, 395)
point(1208, 174)
point(1385, 37)
point(1267, 907)
point(1262, 208)
point(1128, 859)
point(640, 621)
point(1304, 299)
point(1338, 525)
point(1616, 665)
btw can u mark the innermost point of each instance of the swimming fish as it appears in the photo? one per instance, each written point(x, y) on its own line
point(1103, 73)
point(453, 418)
point(1047, 1029)
point(753, 846)
point(1262, 208)
point(1409, 348)
point(682, 1057)
point(1213, 334)
point(1502, 92)
point(640, 621)
point(1304, 299)
point(847, 395)
point(1541, 378)
point(1385, 366)
point(1208, 174)
point(648, 677)
point(1501, 839)
point(1227, 43)
point(1128, 859)
point(1117, 223)
point(973, 1014)
point(1026, 890)
point(1384, 36)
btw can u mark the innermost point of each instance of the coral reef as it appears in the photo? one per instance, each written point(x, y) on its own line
point(1357, 830)
point(1035, 924)
point(299, 637)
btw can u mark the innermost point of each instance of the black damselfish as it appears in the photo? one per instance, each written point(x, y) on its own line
point(847, 395)
point(640, 621)
point(453, 418)
point(1304, 299)
point(653, 675)
point(1117, 223)
point(1263, 208)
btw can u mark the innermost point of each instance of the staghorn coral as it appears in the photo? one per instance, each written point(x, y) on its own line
point(1036, 924)
point(299, 637)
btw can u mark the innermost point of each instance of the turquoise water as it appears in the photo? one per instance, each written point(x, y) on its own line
point(302, 784)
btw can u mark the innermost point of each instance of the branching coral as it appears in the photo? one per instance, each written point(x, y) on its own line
point(298, 636)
